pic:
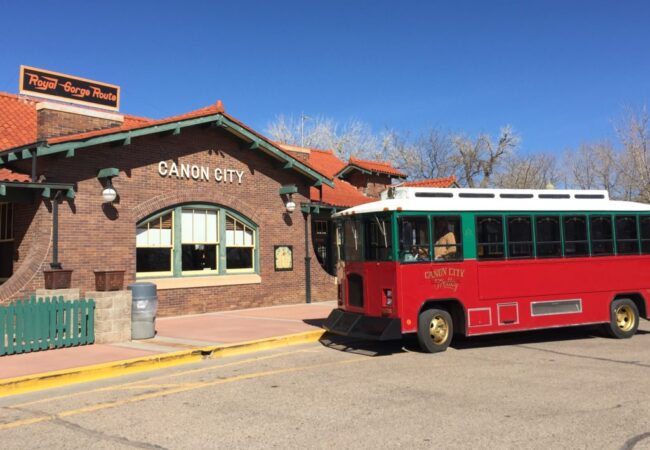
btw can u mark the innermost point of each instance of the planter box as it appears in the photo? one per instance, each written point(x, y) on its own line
point(58, 278)
point(109, 280)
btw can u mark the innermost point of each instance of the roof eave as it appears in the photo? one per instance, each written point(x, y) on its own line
point(43, 149)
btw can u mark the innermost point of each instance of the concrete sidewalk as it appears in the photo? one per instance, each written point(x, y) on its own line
point(175, 334)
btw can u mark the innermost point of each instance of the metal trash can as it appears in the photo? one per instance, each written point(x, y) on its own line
point(143, 310)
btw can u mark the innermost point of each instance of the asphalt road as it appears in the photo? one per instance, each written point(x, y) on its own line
point(553, 389)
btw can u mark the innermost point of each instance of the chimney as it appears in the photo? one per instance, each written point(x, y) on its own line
point(55, 119)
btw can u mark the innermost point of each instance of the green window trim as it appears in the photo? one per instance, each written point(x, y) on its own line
point(177, 242)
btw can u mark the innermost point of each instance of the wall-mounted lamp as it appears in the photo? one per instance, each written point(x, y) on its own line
point(109, 194)
point(287, 192)
point(290, 205)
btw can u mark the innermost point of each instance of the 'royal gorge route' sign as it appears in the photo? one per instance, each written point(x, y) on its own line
point(44, 83)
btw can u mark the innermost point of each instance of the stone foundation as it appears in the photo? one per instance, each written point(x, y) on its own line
point(112, 316)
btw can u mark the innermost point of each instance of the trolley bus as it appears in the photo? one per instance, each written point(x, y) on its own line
point(477, 261)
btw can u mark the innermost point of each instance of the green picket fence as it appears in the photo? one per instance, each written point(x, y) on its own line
point(40, 324)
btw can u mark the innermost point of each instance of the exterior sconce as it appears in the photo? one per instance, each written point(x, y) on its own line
point(109, 194)
point(287, 191)
point(290, 205)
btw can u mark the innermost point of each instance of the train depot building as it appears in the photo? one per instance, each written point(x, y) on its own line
point(217, 215)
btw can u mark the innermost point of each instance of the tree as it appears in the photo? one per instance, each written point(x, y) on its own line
point(634, 133)
point(431, 155)
point(527, 172)
point(595, 166)
point(353, 138)
point(479, 158)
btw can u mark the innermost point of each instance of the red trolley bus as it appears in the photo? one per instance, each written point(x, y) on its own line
point(476, 261)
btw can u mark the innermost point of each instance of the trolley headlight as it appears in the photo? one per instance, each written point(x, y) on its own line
point(388, 297)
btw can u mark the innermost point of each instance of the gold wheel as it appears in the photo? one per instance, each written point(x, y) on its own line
point(625, 318)
point(438, 329)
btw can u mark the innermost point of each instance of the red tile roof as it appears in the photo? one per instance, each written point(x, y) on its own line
point(326, 161)
point(9, 175)
point(343, 194)
point(377, 167)
point(433, 182)
point(17, 121)
point(134, 123)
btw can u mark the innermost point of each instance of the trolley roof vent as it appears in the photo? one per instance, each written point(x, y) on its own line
point(434, 194)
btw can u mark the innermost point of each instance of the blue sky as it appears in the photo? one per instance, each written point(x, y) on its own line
point(560, 72)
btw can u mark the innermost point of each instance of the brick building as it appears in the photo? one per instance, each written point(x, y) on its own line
point(203, 205)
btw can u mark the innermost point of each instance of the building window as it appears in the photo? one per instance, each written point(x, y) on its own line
point(239, 245)
point(6, 240)
point(199, 240)
point(321, 227)
point(192, 240)
point(154, 245)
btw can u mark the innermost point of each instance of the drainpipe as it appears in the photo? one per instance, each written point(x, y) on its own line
point(307, 260)
point(55, 264)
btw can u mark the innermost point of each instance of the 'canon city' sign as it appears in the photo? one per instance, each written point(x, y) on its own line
point(199, 173)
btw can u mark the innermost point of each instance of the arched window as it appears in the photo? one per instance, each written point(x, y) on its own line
point(190, 240)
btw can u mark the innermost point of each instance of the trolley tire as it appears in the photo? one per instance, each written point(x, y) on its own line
point(435, 330)
point(623, 319)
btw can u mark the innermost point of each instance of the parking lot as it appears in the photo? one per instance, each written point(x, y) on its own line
point(552, 389)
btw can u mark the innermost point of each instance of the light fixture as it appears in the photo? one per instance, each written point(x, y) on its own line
point(290, 205)
point(105, 176)
point(109, 194)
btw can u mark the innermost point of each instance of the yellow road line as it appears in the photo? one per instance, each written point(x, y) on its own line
point(20, 385)
point(180, 389)
point(158, 377)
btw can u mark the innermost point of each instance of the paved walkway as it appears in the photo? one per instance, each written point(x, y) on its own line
point(178, 333)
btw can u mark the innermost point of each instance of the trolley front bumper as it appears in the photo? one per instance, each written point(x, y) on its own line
point(363, 327)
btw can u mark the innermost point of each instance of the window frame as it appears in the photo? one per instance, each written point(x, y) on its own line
point(643, 240)
point(206, 242)
point(460, 255)
point(176, 270)
point(611, 240)
point(253, 246)
point(398, 232)
point(503, 242)
point(160, 273)
point(532, 243)
point(537, 241)
point(636, 240)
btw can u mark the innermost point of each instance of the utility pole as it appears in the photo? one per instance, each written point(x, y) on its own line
point(303, 117)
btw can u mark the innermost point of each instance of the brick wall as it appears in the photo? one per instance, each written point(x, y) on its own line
point(52, 123)
point(371, 185)
point(94, 236)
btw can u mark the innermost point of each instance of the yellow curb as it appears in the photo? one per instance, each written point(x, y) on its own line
point(48, 380)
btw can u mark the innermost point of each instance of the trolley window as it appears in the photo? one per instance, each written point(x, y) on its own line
point(414, 238)
point(575, 236)
point(549, 239)
point(447, 238)
point(379, 239)
point(600, 228)
point(644, 226)
point(520, 237)
point(626, 235)
point(489, 237)
point(352, 244)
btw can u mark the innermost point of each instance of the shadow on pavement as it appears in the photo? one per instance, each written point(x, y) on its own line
point(409, 342)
